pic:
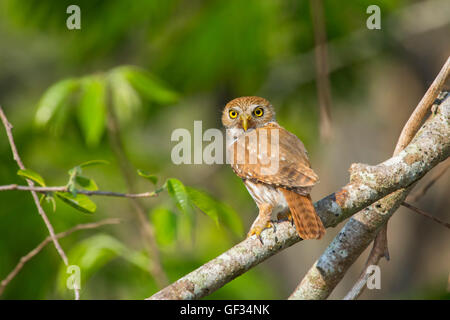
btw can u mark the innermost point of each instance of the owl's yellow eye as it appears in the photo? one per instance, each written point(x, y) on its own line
point(233, 114)
point(258, 112)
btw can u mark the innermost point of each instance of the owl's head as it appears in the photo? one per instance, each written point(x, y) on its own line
point(247, 113)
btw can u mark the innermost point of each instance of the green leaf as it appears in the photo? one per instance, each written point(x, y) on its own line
point(205, 203)
point(95, 252)
point(92, 109)
point(51, 199)
point(149, 86)
point(53, 99)
point(152, 178)
point(178, 192)
point(42, 198)
point(93, 163)
point(221, 213)
point(77, 169)
point(230, 218)
point(165, 223)
point(86, 183)
point(30, 174)
point(80, 202)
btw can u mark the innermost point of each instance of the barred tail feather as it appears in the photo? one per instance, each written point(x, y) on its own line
point(307, 222)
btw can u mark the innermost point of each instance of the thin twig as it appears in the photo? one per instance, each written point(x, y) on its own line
point(439, 173)
point(46, 241)
point(41, 211)
point(358, 287)
point(419, 211)
point(380, 247)
point(419, 113)
point(85, 192)
point(321, 57)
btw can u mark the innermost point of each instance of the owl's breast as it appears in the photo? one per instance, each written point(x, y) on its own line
point(263, 193)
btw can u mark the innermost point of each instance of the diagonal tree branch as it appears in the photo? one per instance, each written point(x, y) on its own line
point(59, 249)
point(419, 113)
point(367, 185)
point(46, 241)
point(345, 248)
point(425, 214)
point(380, 245)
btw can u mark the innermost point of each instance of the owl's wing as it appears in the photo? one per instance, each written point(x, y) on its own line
point(278, 158)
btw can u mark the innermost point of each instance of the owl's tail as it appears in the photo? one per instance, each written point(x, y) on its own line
point(307, 222)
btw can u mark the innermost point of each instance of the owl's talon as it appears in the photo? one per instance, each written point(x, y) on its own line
point(269, 224)
point(260, 239)
point(287, 216)
point(273, 224)
point(257, 230)
point(257, 233)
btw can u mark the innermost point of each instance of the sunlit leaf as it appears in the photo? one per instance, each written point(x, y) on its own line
point(78, 169)
point(149, 86)
point(165, 223)
point(221, 213)
point(92, 109)
point(30, 174)
point(178, 192)
point(152, 178)
point(93, 163)
point(80, 202)
point(86, 183)
point(53, 99)
point(205, 203)
point(51, 200)
point(42, 198)
point(230, 218)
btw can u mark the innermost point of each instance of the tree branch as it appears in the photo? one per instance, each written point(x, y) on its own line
point(46, 241)
point(380, 244)
point(86, 192)
point(425, 214)
point(361, 229)
point(41, 211)
point(367, 185)
point(419, 113)
point(345, 248)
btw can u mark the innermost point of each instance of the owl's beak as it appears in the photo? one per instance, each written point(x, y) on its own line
point(244, 120)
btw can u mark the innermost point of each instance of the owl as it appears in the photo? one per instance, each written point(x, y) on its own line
point(256, 143)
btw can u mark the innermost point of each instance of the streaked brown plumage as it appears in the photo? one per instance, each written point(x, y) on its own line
point(274, 165)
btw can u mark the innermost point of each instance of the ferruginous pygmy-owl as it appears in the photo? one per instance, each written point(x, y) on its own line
point(256, 143)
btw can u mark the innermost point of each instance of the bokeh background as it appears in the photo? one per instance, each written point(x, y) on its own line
point(163, 64)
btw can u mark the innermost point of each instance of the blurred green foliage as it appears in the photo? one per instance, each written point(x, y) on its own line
point(158, 65)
